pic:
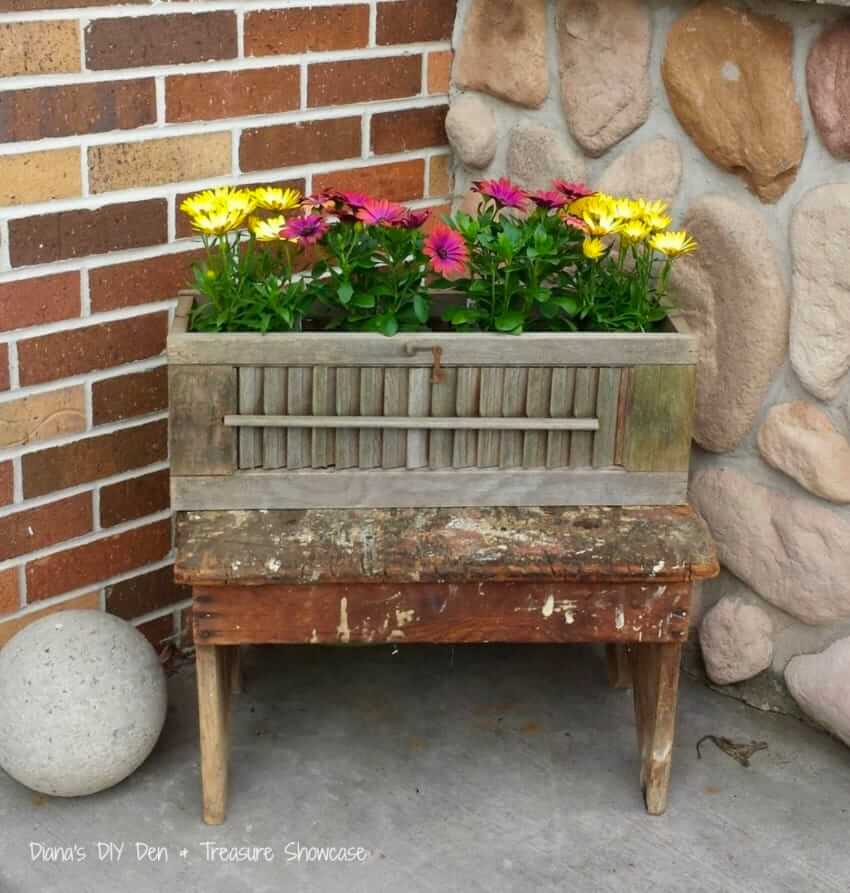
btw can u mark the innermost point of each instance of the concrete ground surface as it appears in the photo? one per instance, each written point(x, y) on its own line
point(475, 768)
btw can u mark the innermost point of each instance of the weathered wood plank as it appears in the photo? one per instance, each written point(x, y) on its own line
point(658, 418)
point(560, 406)
point(394, 445)
point(250, 401)
point(324, 403)
point(432, 487)
point(536, 406)
point(199, 397)
point(607, 402)
point(443, 399)
point(514, 386)
point(369, 613)
point(465, 448)
point(409, 422)
point(274, 403)
point(299, 399)
point(213, 679)
point(347, 404)
point(371, 403)
point(490, 404)
point(584, 405)
point(418, 404)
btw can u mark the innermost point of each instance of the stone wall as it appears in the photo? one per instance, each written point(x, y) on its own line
point(740, 116)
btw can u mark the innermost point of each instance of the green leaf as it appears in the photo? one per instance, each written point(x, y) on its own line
point(510, 322)
point(344, 292)
point(421, 307)
point(458, 316)
point(388, 324)
point(568, 305)
point(363, 299)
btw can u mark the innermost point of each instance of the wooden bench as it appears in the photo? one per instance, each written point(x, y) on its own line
point(619, 576)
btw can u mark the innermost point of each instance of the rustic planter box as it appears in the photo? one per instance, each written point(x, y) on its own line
point(317, 420)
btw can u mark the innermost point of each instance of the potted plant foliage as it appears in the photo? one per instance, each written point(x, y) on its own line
point(342, 350)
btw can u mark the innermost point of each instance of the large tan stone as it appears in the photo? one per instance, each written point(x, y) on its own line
point(729, 78)
point(820, 684)
point(820, 308)
point(604, 68)
point(731, 293)
point(794, 553)
point(651, 170)
point(42, 416)
point(800, 440)
point(829, 87)
point(736, 641)
point(472, 130)
point(503, 51)
point(538, 154)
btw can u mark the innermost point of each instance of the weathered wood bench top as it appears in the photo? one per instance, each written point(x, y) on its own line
point(248, 548)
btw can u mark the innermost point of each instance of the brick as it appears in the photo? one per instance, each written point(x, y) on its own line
point(397, 182)
point(8, 628)
point(284, 145)
point(145, 593)
point(160, 40)
point(440, 176)
point(39, 48)
point(69, 234)
point(4, 367)
point(363, 80)
point(6, 483)
point(152, 162)
point(125, 396)
point(140, 281)
point(439, 71)
point(75, 351)
point(39, 176)
point(409, 129)
point(183, 228)
point(134, 498)
point(83, 565)
point(26, 5)
point(10, 599)
point(45, 525)
point(276, 32)
point(156, 631)
point(76, 109)
point(412, 21)
point(32, 302)
point(232, 94)
point(42, 416)
point(93, 458)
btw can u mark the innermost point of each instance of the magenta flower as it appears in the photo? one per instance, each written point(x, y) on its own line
point(326, 199)
point(549, 199)
point(414, 219)
point(574, 222)
point(446, 251)
point(306, 230)
point(356, 199)
point(572, 191)
point(380, 212)
point(504, 193)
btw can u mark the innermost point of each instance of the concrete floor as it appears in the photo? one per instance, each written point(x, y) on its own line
point(475, 769)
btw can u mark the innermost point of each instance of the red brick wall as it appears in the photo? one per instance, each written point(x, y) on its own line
point(109, 114)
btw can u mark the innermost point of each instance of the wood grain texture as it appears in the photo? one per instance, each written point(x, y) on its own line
point(443, 398)
point(536, 406)
point(371, 403)
point(250, 401)
point(390, 423)
point(364, 614)
point(324, 403)
point(394, 442)
point(584, 405)
point(418, 405)
point(347, 404)
point(661, 544)
point(490, 404)
point(299, 400)
point(214, 683)
point(515, 385)
point(560, 407)
point(274, 403)
point(607, 405)
point(465, 443)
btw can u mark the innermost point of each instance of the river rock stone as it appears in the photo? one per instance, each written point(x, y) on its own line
point(503, 51)
point(731, 293)
point(736, 641)
point(604, 69)
point(472, 130)
point(538, 154)
point(820, 684)
point(820, 308)
point(82, 703)
point(829, 88)
point(652, 171)
point(728, 74)
point(793, 553)
point(800, 440)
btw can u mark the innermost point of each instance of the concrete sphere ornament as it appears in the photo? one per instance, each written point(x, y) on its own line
point(82, 703)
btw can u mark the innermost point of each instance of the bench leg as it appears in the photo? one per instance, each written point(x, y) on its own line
point(214, 683)
point(655, 674)
point(619, 671)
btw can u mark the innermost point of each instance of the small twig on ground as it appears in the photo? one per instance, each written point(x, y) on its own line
point(738, 750)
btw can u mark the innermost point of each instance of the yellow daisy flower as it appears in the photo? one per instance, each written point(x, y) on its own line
point(656, 221)
point(602, 224)
point(626, 209)
point(273, 198)
point(598, 203)
point(650, 208)
point(218, 221)
point(593, 248)
point(267, 230)
point(673, 244)
point(210, 199)
point(634, 231)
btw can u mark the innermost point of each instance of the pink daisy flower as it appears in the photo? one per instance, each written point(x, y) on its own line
point(572, 191)
point(446, 251)
point(356, 199)
point(549, 199)
point(574, 222)
point(306, 230)
point(380, 212)
point(326, 199)
point(504, 193)
point(414, 219)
